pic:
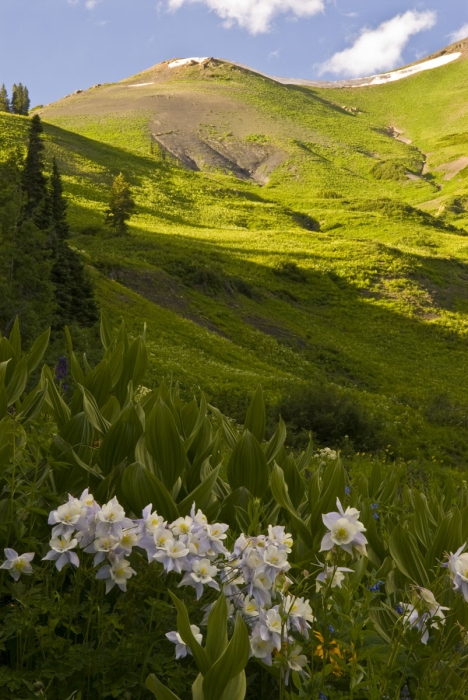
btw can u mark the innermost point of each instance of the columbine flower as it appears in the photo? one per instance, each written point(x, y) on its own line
point(66, 517)
point(17, 564)
point(261, 648)
point(128, 540)
point(276, 559)
point(345, 530)
point(116, 573)
point(172, 555)
point(182, 526)
point(296, 662)
point(181, 648)
point(458, 566)
point(280, 538)
point(215, 534)
point(425, 614)
point(299, 613)
point(270, 626)
point(250, 607)
point(102, 546)
point(61, 551)
point(201, 575)
point(112, 519)
point(332, 576)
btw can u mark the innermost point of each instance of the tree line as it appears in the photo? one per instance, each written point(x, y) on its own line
point(19, 103)
point(42, 280)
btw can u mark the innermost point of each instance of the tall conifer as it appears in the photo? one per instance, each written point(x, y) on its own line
point(74, 294)
point(4, 101)
point(121, 205)
point(34, 181)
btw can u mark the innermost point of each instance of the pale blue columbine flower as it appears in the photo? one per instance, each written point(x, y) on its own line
point(345, 530)
point(202, 574)
point(117, 573)
point(112, 519)
point(17, 564)
point(61, 553)
point(181, 648)
point(458, 567)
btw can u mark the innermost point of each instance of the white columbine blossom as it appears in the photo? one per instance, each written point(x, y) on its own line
point(345, 530)
point(116, 573)
point(17, 564)
point(299, 614)
point(172, 555)
point(112, 519)
point(458, 567)
point(60, 551)
point(181, 648)
point(66, 517)
point(201, 575)
point(332, 576)
point(426, 614)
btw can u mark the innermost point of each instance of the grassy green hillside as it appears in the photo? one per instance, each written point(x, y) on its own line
point(284, 235)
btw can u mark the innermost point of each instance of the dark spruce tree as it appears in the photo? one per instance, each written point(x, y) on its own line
point(121, 205)
point(4, 101)
point(34, 181)
point(20, 102)
point(74, 293)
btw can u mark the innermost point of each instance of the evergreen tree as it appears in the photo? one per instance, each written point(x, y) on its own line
point(121, 205)
point(25, 263)
point(4, 101)
point(74, 294)
point(20, 101)
point(34, 181)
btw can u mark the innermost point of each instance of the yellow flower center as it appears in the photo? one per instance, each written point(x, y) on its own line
point(342, 532)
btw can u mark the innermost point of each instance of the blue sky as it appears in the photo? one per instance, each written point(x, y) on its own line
point(58, 46)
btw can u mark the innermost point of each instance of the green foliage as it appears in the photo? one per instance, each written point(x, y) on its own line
point(20, 102)
point(121, 205)
point(4, 100)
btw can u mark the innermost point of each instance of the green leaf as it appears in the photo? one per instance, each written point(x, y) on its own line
point(248, 467)
point(18, 381)
point(276, 442)
point(406, 555)
point(183, 625)
point(37, 351)
point(296, 485)
point(15, 338)
point(160, 691)
point(165, 444)
point(304, 460)
point(279, 490)
point(120, 440)
point(31, 408)
point(116, 359)
point(201, 495)
point(140, 487)
point(106, 332)
point(59, 407)
point(230, 664)
point(99, 382)
point(229, 433)
point(135, 365)
point(216, 638)
point(3, 371)
point(255, 420)
point(92, 412)
point(3, 401)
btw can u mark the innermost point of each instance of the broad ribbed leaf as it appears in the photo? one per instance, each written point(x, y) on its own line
point(140, 487)
point(296, 485)
point(59, 407)
point(135, 365)
point(276, 442)
point(279, 490)
point(92, 412)
point(201, 495)
point(165, 444)
point(18, 381)
point(32, 405)
point(115, 360)
point(106, 332)
point(160, 691)
point(406, 555)
point(99, 382)
point(37, 351)
point(229, 434)
point(3, 401)
point(120, 440)
point(183, 625)
point(230, 664)
point(304, 460)
point(7, 353)
point(15, 338)
point(255, 420)
point(216, 638)
point(248, 467)
point(3, 371)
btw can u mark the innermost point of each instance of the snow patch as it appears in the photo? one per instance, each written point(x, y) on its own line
point(187, 62)
point(406, 72)
point(141, 84)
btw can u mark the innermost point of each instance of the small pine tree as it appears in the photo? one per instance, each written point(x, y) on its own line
point(74, 294)
point(121, 205)
point(34, 181)
point(20, 101)
point(4, 101)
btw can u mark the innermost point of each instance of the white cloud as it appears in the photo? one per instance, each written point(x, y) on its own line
point(379, 49)
point(255, 15)
point(91, 4)
point(460, 34)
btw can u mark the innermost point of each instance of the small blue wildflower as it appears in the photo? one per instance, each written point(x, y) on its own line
point(61, 370)
point(376, 587)
point(331, 629)
point(374, 506)
point(348, 490)
point(322, 696)
point(399, 609)
point(376, 517)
